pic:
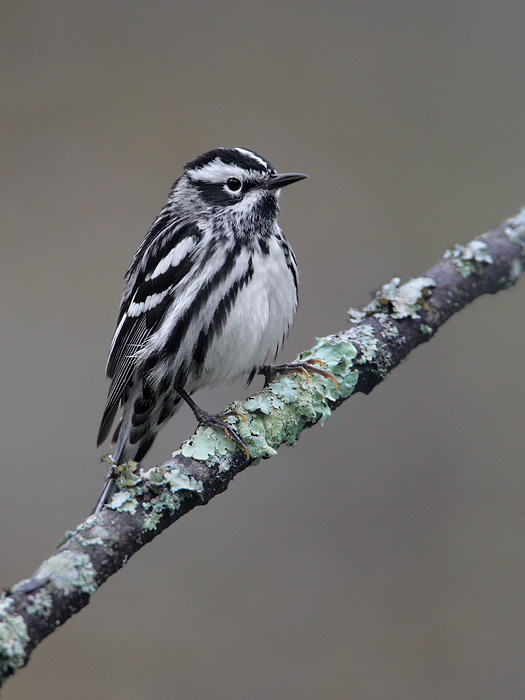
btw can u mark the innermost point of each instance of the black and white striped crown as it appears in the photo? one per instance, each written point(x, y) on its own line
point(241, 158)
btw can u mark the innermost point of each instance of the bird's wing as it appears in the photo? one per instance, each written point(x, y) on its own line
point(164, 258)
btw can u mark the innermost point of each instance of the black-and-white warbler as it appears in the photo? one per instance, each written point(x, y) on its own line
point(210, 293)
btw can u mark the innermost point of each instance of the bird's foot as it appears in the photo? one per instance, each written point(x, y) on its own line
point(217, 422)
point(306, 367)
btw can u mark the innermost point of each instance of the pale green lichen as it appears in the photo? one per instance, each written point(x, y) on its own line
point(356, 315)
point(151, 521)
point(21, 584)
point(279, 413)
point(39, 603)
point(65, 537)
point(387, 293)
point(128, 475)
point(389, 330)
point(515, 228)
point(406, 300)
point(95, 532)
point(205, 443)
point(156, 477)
point(368, 343)
point(13, 639)
point(516, 270)
point(263, 402)
point(372, 349)
point(426, 329)
point(124, 502)
point(67, 571)
point(90, 541)
point(165, 502)
point(338, 355)
point(170, 500)
point(259, 432)
point(134, 485)
point(284, 391)
point(397, 301)
point(179, 481)
point(468, 258)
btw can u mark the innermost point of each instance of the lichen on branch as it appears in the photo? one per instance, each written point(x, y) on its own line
point(399, 318)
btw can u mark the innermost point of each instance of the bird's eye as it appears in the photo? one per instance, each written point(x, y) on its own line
point(233, 184)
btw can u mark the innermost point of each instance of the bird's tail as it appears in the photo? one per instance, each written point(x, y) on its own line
point(134, 435)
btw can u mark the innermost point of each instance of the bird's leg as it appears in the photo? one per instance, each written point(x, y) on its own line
point(217, 422)
point(305, 367)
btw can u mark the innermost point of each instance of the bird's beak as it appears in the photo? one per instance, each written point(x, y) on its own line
point(278, 181)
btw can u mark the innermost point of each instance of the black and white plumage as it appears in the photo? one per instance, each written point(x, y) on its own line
point(210, 293)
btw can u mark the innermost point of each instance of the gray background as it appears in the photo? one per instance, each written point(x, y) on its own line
point(382, 556)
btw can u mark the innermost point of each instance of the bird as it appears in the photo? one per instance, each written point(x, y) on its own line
point(210, 294)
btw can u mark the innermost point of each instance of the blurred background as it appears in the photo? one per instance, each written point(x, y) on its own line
point(381, 557)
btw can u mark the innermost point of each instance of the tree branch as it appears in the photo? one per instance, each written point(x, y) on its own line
point(399, 318)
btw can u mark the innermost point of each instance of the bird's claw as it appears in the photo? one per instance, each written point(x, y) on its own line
point(218, 423)
point(305, 367)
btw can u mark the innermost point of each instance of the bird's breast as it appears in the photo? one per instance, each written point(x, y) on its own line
point(257, 322)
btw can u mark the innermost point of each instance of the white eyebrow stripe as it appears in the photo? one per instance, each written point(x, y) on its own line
point(218, 171)
point(251, 154)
